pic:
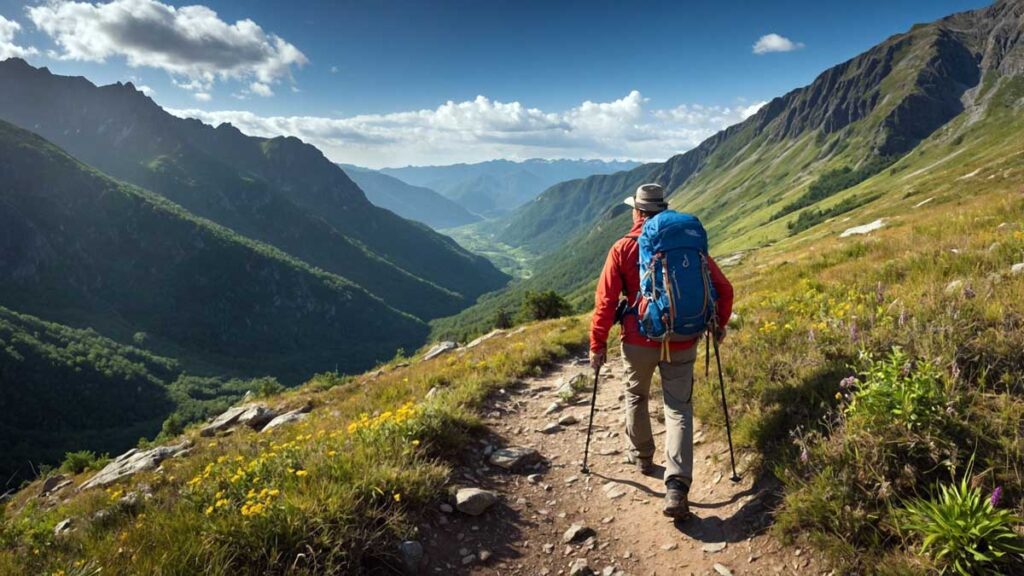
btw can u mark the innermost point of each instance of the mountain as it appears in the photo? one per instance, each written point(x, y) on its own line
point(84, 250)
point(812, 155)
point(410, 202)
point(496, 187)
point(279, 191)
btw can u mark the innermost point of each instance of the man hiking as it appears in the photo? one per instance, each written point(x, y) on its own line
point(674, 357)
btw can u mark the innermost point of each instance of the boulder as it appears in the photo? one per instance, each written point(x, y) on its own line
point(550, 428)
point(440, 348)
point(577, 533)
point(411, 552)
point(254, 416)
point(514, 458)
point(474, 501)
point(54, 484)
point(296, 415)
point(1017, 269)
point(580, 567)
point(567, 420)
point(134, 461)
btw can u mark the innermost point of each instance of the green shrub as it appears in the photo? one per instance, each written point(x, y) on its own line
point(545, 305)
point(78, 462)
point(266, 386)
point(502, 319)
point(895, 390)
point(964, 531)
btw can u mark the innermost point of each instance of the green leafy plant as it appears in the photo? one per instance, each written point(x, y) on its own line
point(898, 390)
point(267, 386)
point(964, 531)
point(545, 305)
point(78, 462)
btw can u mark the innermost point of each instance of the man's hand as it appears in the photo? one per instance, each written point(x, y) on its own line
point(721, 334)
point(597, 359)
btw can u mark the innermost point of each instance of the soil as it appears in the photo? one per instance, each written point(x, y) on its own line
point(523, 534)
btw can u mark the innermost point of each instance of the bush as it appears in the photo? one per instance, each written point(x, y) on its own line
point(78, 462)
point(266, 386)
point(895, 391)
point(545, 305)
point(963, 530)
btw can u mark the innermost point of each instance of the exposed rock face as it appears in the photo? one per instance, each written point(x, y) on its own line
point(440, 348)
point(133, 461)
point(253, 415)
point(483, 339)
point(296, 415)
point(474, 501)
point(53, 484)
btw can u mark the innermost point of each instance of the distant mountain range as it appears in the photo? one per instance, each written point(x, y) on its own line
point(804, 158)
point(496, 187)
point(408, 201)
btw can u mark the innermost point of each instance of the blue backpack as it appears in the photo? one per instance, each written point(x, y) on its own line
point(677, 300)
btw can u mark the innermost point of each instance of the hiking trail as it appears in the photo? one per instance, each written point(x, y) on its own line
point(552, 519)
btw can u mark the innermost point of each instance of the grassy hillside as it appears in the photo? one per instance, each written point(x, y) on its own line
point(858, 434)
point(779, 172)
point(334, 493)
point(85, 250)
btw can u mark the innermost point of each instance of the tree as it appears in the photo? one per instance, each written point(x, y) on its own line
point(502, 319)
point(545, 305)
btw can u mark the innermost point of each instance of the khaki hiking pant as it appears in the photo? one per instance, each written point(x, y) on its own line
point(677, 387)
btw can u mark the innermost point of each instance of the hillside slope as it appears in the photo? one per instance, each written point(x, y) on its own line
point(776, 173)
point(280, 191)
point(84, 250)
point(410, 202)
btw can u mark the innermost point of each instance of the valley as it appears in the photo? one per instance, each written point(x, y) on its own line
point(230, 354)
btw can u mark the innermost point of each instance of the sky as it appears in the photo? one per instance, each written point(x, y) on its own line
point(399, 82)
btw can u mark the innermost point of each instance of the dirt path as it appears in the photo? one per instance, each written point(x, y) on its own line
point(523, 534)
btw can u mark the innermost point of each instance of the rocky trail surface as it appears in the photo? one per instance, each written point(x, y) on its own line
point(520, 504)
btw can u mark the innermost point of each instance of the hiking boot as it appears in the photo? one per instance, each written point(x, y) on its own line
point(676, 503)
point(644, 466)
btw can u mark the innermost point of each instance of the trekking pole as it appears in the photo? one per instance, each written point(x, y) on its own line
point(725, 408)
point(590, 425)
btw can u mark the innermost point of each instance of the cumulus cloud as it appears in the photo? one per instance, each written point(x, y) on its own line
point(202, 96)
point(775, 43)
point(146, 90)
point(191, 43)
point(483, 129)
point(8, 49)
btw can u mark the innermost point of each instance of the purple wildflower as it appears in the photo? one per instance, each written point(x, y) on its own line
point(804, 456)
point(879, 293)
point(853, 332)
point(969, 293)
point(903, 318)
point(848, 382)
point(997, 495)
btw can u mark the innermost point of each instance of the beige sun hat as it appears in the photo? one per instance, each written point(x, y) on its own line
point(649, 198)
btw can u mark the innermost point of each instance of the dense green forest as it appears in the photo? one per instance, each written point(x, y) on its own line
point(65, 389)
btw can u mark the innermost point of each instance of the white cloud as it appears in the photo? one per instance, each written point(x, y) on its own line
point(191, 43)
point(8, 49)
point(146, 90)
point(261, 89)
point(483, 129)
point(202, 96)
point(775, 43)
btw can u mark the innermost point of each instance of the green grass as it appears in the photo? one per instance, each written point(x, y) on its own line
point(331, 495)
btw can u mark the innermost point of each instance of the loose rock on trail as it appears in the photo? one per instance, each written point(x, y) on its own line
point(550, 518)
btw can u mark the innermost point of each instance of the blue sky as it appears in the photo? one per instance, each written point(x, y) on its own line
point(395, 82)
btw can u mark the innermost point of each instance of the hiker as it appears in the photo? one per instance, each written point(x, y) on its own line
point(641, 355)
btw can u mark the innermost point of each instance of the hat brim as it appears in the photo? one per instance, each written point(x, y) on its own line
point(645, 206)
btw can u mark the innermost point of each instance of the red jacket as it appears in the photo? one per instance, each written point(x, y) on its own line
point(621, 276)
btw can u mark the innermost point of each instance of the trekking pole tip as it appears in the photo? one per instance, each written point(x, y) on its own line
point(735, 478)
point(585, 469)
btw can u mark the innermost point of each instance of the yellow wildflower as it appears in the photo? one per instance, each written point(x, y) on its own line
point(397, 497)
point(301, 473)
